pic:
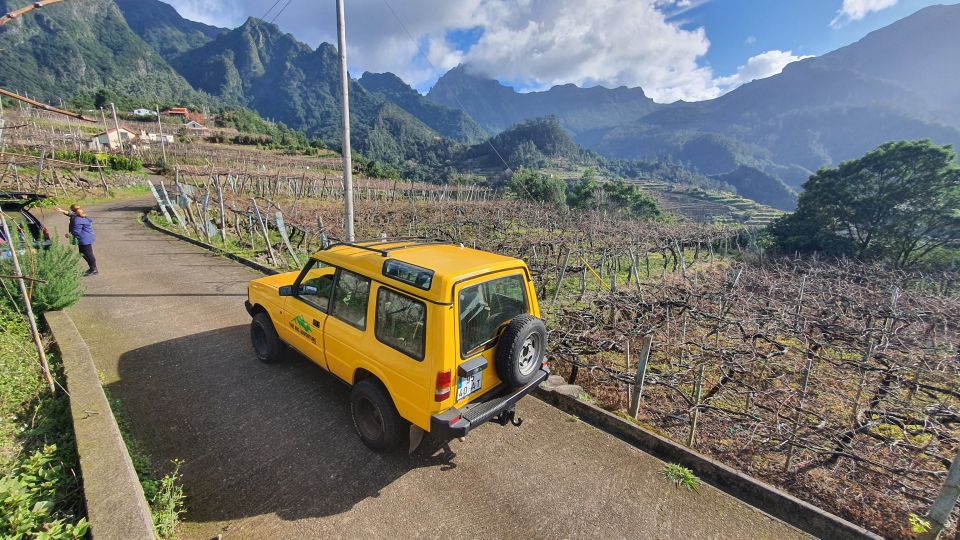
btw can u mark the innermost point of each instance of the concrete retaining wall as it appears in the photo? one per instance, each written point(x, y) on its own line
point(116, 507)
point(767, 498)
point(246, 262)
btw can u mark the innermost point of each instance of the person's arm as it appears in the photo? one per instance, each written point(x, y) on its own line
point(76, 225)
point(62, 211)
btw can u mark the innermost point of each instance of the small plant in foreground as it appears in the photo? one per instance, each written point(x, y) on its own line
point(28, 500)
point(166, 504)
point(918, 525)
point(681, 476)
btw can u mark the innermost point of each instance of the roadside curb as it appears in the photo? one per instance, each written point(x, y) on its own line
point(116, 506)
point(768, 499)
point(246, 262)
point(773, 501)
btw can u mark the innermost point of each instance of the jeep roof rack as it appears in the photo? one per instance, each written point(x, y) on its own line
point(412, 241)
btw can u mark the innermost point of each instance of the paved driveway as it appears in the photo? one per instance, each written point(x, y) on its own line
point(270, 451)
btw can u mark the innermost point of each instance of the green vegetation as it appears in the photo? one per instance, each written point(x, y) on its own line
point(899, 202)
point(56, 267)
point(40, 489)
point(681, 476)
point(536, 186)
point(163, 493)
point(114, 162)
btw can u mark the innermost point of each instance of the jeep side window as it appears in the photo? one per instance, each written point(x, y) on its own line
point(401, 322)
point(350, 296)
point(485, 307)
point(317, 285)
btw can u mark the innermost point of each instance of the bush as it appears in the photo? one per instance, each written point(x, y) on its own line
point(28, 498)
point(57, 266)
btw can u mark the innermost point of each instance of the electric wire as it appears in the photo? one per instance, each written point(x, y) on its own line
point(267, 12)
point(281, 11)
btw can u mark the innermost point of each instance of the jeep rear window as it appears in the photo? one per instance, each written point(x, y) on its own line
point(485, 307)
point(410, 274)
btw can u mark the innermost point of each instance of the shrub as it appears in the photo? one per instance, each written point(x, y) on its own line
point(57, 267)
point(28, 496)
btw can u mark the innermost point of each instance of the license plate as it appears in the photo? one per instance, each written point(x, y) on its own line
point(469, 385)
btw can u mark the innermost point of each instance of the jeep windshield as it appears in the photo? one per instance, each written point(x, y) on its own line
point(485, 308)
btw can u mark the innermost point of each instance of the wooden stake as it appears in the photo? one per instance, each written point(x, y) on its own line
point(21, 283)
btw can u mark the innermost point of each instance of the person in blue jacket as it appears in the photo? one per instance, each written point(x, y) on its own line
point(81, 228)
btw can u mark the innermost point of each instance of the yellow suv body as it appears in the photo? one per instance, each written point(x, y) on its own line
point(432, 334)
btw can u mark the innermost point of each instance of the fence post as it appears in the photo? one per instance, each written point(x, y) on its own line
point(695, 415)
point(645, 345)
point(939, 514)
point(263, 229)
point(563, 272)
point(156, 196)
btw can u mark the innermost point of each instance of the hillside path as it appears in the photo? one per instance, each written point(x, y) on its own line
point(270, 451)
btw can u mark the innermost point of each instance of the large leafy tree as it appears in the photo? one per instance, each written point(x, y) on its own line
point(900, 201)
point(537, 186)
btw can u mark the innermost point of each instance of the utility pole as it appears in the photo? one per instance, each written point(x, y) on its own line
point(163, 146)
point(117, 125)
point(106, 130)
point(347, 161)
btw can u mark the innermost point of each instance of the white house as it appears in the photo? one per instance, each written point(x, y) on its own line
point(144, 112)
point(112, 138)
point(196, 128)
point(155, 137)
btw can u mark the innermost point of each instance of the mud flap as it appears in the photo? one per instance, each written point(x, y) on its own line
point(416, 437)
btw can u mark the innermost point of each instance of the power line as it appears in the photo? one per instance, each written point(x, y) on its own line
point(280, 12)
point(269, 10)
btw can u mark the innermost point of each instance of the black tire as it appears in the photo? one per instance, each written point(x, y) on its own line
point(266, 342)
point(520, 350)
point(375, 418)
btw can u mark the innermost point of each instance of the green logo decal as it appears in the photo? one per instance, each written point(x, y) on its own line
point(302, 323)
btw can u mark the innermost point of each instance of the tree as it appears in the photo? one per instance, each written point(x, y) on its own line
point(537, 186)
point(627, 198)
point(582, 193)
point(900, 201)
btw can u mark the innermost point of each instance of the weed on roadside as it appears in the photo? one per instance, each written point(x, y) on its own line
point(681, 476)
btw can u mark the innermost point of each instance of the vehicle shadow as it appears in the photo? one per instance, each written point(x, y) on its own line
point(255, 438)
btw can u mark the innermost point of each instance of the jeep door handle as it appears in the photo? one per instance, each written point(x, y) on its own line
point(316, 323)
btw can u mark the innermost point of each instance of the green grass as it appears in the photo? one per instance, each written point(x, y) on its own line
point(681, 476)
point(162, 491)
point(41, 492)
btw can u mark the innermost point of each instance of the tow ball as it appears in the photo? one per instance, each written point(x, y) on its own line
point(508, 416)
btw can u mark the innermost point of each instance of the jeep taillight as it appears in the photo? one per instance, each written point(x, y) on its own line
point(443, 386)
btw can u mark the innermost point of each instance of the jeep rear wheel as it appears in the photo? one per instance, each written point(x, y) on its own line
point(266, 342)
point(374, 416)
point(520, 350)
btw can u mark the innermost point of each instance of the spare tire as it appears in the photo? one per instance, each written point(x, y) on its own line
point(520, 350)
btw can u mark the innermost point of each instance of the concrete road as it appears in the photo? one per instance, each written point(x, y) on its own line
point(270, 451)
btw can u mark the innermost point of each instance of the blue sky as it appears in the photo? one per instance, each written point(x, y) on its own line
point(739, 29)
point(674, 49)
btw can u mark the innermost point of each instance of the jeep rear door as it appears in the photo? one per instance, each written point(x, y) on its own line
point(484, 306)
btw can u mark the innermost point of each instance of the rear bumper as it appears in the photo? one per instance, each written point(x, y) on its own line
point(458, 422)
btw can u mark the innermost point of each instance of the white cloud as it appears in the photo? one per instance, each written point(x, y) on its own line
point(534, 43)
point(854, 10)
point(760, 66)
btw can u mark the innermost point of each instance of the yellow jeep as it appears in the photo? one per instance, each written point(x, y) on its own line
point(433, 337)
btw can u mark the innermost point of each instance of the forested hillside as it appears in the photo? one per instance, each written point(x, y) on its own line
point(76, 48)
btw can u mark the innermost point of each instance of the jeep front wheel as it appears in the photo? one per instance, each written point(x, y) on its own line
point(374, 416)
point(266, 342)
point(520, 350)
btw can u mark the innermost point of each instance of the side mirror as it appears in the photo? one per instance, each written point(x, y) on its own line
point(286, 290)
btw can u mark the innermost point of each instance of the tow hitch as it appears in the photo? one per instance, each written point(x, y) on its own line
point(508, 416)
